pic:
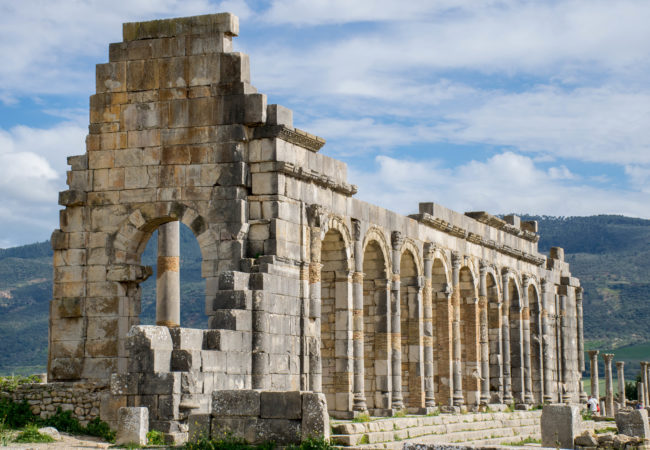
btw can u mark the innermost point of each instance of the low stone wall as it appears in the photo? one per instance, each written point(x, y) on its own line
point(84, 399)
point(259, 416)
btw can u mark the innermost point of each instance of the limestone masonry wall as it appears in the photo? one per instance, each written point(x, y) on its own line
point(307, 288)
point(83, 399)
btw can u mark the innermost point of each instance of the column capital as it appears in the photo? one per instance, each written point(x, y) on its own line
point(356, 229)
point(456, 259)
point(525, 280)
point(608, 357)
point(483, 267)
point(620, 364)
point(429, 249)
point(396, 240)
point(315, 215)
point(593, 353)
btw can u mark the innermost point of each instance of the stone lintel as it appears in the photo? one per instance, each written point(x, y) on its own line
point(226, 23)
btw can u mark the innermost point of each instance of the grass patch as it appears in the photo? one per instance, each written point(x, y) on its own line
point(606, 430)
point(364, 440)
point(31, 435)
point(400, 413)
point(361, 418)
point(528, 440)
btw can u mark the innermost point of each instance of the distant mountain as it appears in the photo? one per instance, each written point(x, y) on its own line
point(609, 254)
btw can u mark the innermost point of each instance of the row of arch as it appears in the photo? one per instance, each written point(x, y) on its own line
point(495, 354)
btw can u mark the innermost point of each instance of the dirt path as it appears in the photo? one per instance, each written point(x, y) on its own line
point(67, 441)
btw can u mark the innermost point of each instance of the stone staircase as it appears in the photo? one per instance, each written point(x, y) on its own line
point(478, 429)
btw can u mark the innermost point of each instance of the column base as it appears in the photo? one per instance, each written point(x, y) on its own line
point(522, 406)
point(383, 412)
point(445, 409)
point(167, 323)
point(583, 397)
point(427, 410)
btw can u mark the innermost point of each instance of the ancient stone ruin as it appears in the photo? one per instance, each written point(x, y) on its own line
point(308, 289)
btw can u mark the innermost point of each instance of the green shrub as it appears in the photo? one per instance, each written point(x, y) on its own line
point(31, 434)
point(15, 415)
point(155, 437)
point(312, 443)
point(99, 428)
point(63, 421)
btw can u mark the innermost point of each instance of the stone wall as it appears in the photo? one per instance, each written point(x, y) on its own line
point(307, 287)
point(83, 399)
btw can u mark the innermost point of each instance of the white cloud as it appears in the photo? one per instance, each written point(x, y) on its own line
point(32, 172)
point(52, 47)
point(503, 183)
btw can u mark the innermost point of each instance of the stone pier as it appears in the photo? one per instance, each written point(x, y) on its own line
point(593, 369)
point(609, 385)
point(620, 376)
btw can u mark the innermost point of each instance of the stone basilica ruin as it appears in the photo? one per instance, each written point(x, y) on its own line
point(314, 297)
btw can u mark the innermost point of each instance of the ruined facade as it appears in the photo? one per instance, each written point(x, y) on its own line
point(307, 287)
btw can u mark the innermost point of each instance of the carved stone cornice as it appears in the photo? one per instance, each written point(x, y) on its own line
point(442, 225)
point(311, 176)
point(293, 136)
point(500, 224)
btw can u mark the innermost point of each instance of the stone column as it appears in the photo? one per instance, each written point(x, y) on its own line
point(620, 375)
point(525, 322)
point(609, 385)
point(429, 397)
point(581, 343)
point(168, 282)
point(505, 323)
point(315, 368)
point(644, 375)
point(546, 344)
point(483, 334)
point(566, 345)
point(593, 368)
point(458, 374)
point(395, 323)
point(359, 396)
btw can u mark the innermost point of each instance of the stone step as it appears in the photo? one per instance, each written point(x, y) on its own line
point(465, 428)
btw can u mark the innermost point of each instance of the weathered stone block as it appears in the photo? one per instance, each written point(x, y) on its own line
point(198, 426)
point(633, 422)
point(279, 115)
point(186, 338)
point(235, 403)
point(315, 418)
point(72, 198)
point(561, 424)
point(185, 360)
point(132, 426)
point(281, 405)
point(160, 383)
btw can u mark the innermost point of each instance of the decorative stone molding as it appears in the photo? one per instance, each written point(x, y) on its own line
point(293, 136)
point(311, 176)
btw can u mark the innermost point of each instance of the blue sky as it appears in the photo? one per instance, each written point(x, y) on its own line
point(498, 105)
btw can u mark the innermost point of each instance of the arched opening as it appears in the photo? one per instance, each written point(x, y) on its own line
point(376, 336)
point(335, 309)
point(412, 381)
point(494, 339)
point(470, 348)
point(442, 332)
point(516, 340)
point(536, 343)
point(192, 284)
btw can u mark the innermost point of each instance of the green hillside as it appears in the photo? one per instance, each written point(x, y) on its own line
point(608, 253)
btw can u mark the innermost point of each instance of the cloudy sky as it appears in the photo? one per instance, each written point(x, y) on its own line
point(538, 107)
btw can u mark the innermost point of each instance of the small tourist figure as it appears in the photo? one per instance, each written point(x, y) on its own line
point(592, 404)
